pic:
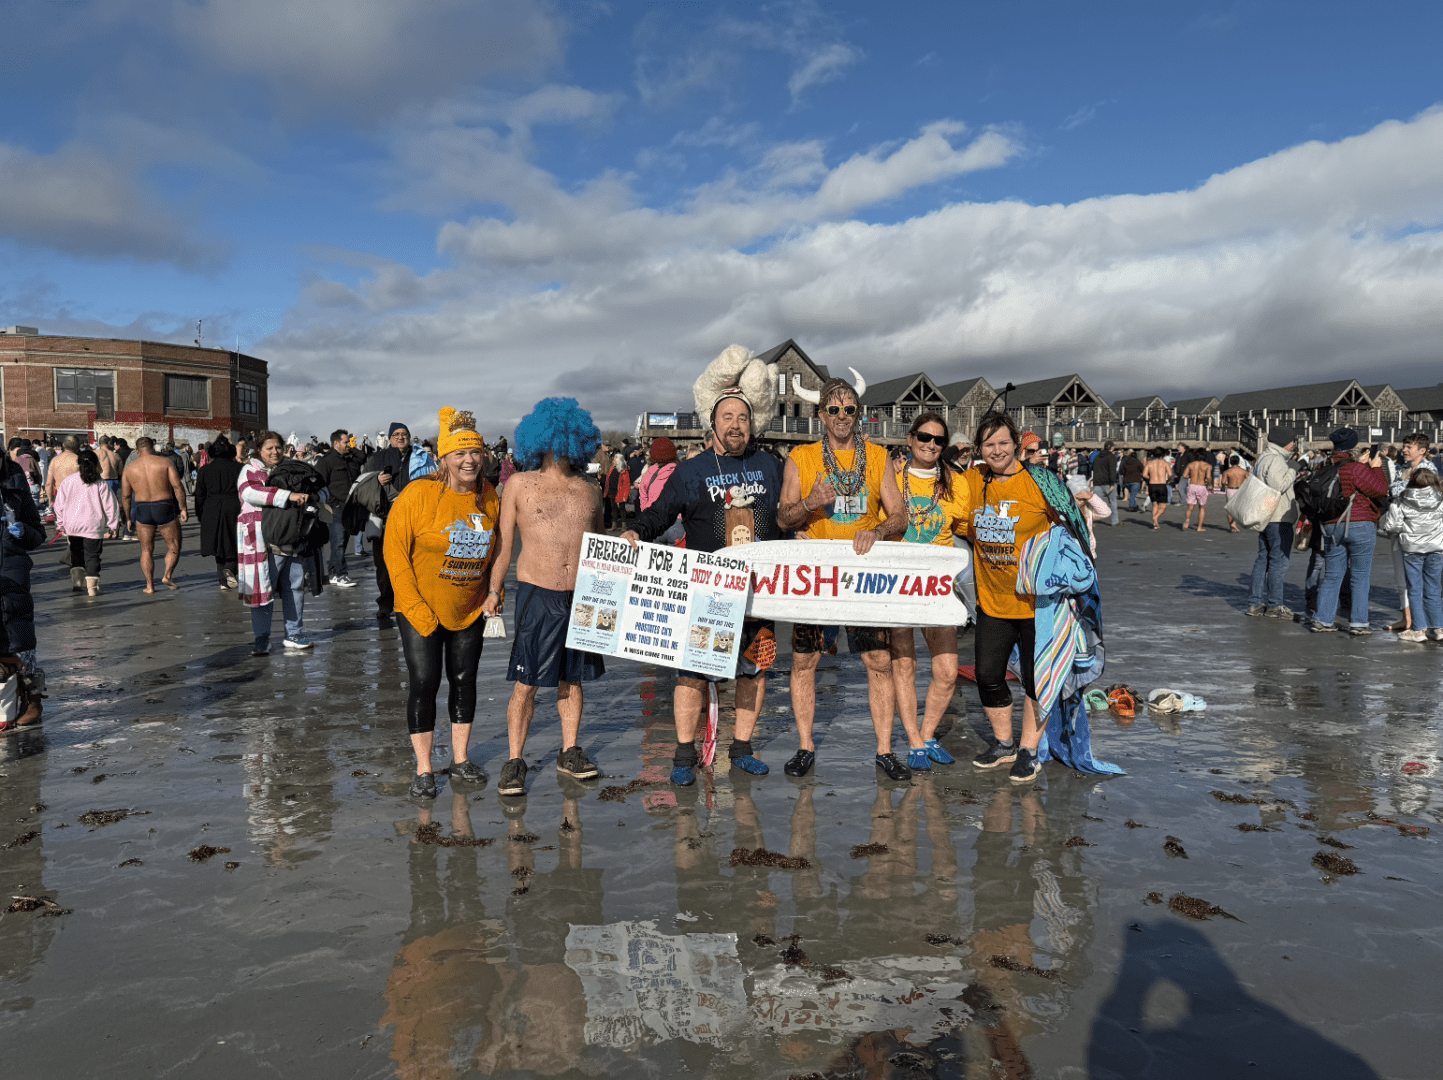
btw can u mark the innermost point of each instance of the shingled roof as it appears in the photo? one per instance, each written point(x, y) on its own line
point(776, 351)
point(1140, 403)
point(1313, 396)
point(1422, 399)
point(1194, 406)
point(889, 391)
point(956, 391)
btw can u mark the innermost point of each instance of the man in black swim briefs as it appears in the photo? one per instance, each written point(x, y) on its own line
point(151, 493)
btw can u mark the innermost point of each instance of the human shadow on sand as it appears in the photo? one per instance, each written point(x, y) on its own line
point(1178, 1011)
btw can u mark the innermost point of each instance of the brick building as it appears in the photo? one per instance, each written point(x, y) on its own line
point(51, 385)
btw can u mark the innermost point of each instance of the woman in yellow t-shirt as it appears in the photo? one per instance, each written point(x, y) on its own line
point(937, 509)
point(440, 540)
point(1006, 508)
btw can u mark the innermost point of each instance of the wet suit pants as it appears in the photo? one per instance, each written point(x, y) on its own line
point(459, 653)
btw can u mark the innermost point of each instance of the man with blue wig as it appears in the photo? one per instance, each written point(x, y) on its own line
point(552, 503)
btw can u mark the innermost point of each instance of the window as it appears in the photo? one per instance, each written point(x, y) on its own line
point(247, 399)
point(188, 392)
point(77, 386)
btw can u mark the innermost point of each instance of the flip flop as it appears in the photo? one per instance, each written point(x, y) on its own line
point(1096, 701)
point(1165, 701)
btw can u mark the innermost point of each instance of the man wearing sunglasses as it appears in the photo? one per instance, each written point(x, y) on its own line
point(836, 489)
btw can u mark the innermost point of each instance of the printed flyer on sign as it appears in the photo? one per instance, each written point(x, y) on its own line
point(603, 577)
point(660, 605)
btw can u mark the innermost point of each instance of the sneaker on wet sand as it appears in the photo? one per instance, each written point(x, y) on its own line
point(998, 753)
point(1320, 628)
point(513, 778)
point(342, 581)
point(1417, 636)
point(894, 769)
point(574, 763)
point(1359, 631)
point(1256, 610)
point(468, 771)
point(800, 763)
point(917, 759)
point(1281, 612)
point(300, 641)
point(683, 775)
point(1025, 769)
point(423, 786)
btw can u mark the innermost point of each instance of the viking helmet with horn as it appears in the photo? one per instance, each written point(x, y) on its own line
point(737, 373)
point(858, 386)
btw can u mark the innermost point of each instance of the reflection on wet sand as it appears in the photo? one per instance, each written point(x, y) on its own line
point(24, 935)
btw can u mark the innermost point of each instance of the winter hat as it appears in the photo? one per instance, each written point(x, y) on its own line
point(1281, 436)
point(1030, 437)
point(662, 451)
point(1344, 439)
point(396, 426)
point(458, 432)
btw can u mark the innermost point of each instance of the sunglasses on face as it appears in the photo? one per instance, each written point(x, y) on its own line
point(924, 438)
point(1033, 450)
point(833, 410)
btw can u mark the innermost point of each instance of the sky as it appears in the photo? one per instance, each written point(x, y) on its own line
point(480, 203)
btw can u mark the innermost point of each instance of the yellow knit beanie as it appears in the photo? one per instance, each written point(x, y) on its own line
point(458, 432)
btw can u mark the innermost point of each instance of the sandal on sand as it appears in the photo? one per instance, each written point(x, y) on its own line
point(1096, 701)
point(1165, 701)
point(1122, 699)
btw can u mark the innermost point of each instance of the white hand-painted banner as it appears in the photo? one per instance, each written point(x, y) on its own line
point(825, 582)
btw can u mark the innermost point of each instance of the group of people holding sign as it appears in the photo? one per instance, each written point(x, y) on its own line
point(710, 608)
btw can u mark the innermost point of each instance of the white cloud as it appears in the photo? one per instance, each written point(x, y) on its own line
point(1319, 261)
point(822, 66)
point(85, 202)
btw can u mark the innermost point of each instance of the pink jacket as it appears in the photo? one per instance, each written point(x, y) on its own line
point(650, 483)
point(88, 510)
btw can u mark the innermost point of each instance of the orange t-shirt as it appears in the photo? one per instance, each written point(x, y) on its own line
point(848, 515)
point(439, 548)
point(1004, 514)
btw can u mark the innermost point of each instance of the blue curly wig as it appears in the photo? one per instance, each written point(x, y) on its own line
point(560, 427)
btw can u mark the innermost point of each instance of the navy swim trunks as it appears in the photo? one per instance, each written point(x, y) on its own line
point(539, 656)
point(153, 513)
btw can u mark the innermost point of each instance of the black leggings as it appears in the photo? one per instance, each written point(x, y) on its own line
point(993, 642)
point(460, 651)
point(86, 552)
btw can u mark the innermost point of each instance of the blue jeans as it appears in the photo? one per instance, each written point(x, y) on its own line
point(1424, 571)
point(338, 547)
point(287, 581)
point(1275, 548)
point(1132, 490)
point(1349, 556)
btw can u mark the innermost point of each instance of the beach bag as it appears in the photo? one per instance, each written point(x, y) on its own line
point(1253, 505)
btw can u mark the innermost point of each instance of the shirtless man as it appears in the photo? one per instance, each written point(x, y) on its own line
point(151, 494)
point(552, 503)
point(1158, 476)
point(1233, 479)
point(65, 463)
point(1197, 476)
point(109, 466)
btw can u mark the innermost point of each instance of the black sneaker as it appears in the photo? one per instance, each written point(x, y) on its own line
point(423, 786)
point(801, 763)
point(468, 771)
point(1256, 610)
point(1359, 631)
point(894, 769)
point(576, 764)
point(513, 778)
point(1025, 769)
point(996, 754)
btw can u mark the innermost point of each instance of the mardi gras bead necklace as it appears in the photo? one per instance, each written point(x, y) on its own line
point(846, 481)
point(915, 518)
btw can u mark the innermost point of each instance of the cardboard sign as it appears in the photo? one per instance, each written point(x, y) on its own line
point(825, 582)
point(660, 605)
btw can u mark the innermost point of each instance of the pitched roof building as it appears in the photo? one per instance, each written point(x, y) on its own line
point(903, 398)
point(1315, 401)
point(1188, 408)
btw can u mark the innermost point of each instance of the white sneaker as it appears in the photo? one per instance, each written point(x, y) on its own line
point(343, 582)
point(299, 643)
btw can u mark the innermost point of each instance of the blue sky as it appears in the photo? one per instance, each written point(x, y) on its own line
point(403, 205)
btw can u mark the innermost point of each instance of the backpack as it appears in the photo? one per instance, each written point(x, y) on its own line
point(1320, 495)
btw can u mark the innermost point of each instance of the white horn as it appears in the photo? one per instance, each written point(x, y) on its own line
point(859, 382)
point(812, 396)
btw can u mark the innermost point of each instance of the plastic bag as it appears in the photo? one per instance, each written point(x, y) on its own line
point(1253, 505)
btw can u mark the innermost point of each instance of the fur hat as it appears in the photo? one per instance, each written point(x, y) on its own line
point(458, 432)
point(737, 373)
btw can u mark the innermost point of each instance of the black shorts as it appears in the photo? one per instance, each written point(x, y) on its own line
point(807, 638)
point(539, 656)
point(1157, 493)
point(153, 513)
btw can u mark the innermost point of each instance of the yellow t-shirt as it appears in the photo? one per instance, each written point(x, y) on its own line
point(439, 548)
point(948, 518)
point(1004, 514)
point(848, 515)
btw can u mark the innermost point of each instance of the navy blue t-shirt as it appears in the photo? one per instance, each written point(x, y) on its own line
point(701, 490)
